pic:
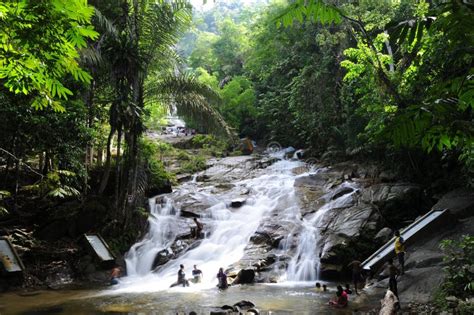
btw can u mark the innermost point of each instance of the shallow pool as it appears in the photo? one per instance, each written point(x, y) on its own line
point(269, 299)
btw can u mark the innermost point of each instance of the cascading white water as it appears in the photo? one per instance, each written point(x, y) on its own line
point(305, 264)
point(230, 231)
point(162, 220)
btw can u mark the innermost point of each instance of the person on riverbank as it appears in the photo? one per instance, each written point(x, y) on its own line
point(181, 278)
point(222, 279)
point(341, 299)
point(197, 275)
point(356, 273)
point(115, 275)
point(393, 273)
point(400, 250)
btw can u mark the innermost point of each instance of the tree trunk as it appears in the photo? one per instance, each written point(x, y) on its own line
point(117, 167)
point(106, 175)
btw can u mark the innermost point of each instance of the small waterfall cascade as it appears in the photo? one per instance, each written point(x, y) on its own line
point(162, 220)
point(229, 229)
point(305, 263)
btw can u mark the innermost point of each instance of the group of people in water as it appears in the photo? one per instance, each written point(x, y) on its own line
point(342, 295)
point(197, 277)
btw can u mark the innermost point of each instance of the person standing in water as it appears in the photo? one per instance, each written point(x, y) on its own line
point(197, 275)
point(222, 279)
point(400, 250)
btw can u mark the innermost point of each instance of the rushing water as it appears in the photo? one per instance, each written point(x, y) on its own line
point(230, 230)
point(305, 264)
point(268, 191)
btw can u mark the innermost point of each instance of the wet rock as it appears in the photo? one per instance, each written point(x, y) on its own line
point(330, 271)
point(266, 162)
point(300, 154)
point(237, 203)
point(349, 222)
point(188, 214)
point(384, 235)
point(341, 192)
point(245, 276)
point(460, 202)
point(289, 152)
point(260, 238)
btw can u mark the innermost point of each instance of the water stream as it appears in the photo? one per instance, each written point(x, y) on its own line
point(229, 229)
point(269, 193)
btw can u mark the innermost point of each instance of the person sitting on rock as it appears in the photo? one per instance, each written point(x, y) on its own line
point(341, 298)
point(222, 279)
point(115, 275)
point(197, 275)
point(198, 229)
point(181, 278)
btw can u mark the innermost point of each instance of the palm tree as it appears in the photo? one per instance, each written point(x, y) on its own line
point(137, 50)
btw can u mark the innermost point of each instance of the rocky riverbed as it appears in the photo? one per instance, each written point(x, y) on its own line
point(356, 206)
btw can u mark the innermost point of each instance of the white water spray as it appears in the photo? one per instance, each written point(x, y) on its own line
point(230, 232)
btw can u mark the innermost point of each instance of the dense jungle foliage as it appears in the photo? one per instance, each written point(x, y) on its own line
point(81, 81)
point(355, 76)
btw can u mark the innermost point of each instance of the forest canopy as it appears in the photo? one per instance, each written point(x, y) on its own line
point(81, 81)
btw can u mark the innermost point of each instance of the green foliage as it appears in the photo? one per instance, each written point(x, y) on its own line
point(210, 144)
point(30, 63)
point(196, 164)
point(309, 11)
point(459, 260)
point(56, 184)
point(459, 274)
point(153, 153)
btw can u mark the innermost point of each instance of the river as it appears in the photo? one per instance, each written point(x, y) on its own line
point(266, 192)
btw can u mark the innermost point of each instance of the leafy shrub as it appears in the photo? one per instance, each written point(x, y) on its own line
point(459, 270)
point(196, 164)
point(152, 154)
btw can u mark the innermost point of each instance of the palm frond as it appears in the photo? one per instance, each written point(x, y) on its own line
point(192, 100)
point(102, 22)
point(309, 11)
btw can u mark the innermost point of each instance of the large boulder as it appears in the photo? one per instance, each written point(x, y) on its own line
point(397, 202)
point(460, 202)
point(245, 276)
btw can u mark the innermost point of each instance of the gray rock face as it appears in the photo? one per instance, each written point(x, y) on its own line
point(384, 235)
point(397, 201)
point(460, 202)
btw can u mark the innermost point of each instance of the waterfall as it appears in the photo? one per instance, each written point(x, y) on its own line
point(269, 192)
point(229, 229)
point(163, 217)
point(305, 263)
